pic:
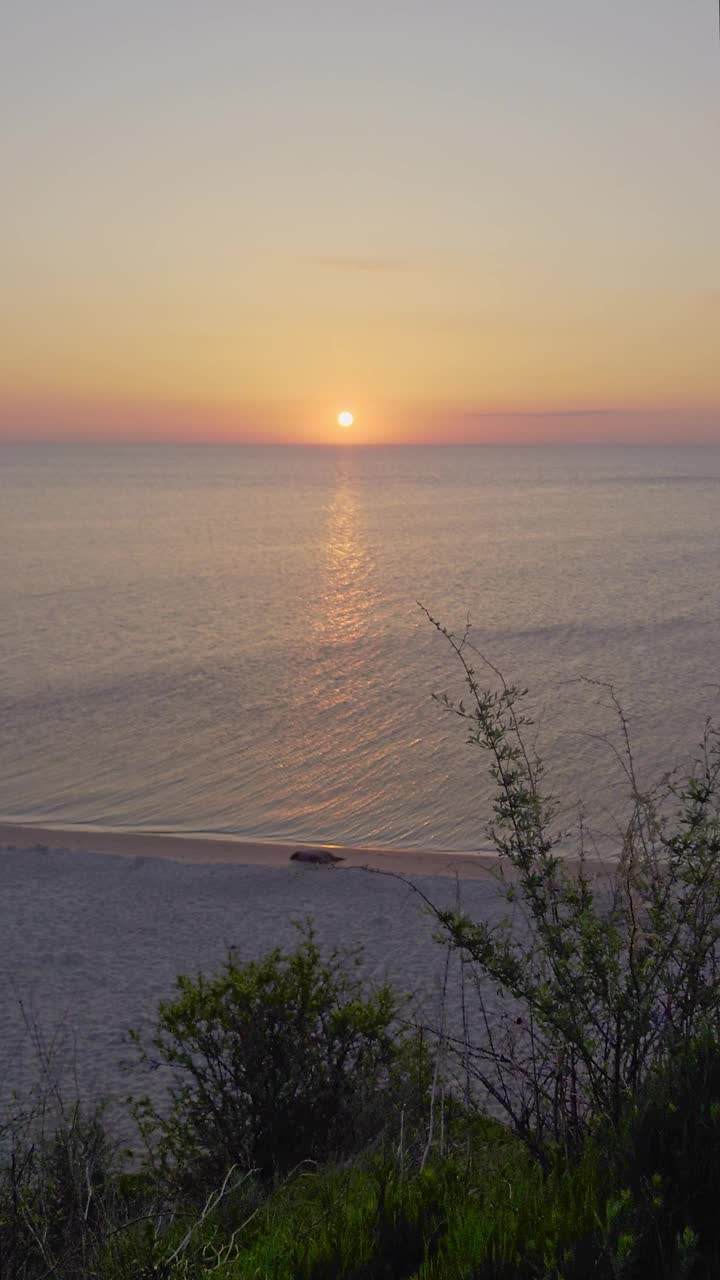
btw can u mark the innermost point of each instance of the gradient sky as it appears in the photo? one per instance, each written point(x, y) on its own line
point(468, 220)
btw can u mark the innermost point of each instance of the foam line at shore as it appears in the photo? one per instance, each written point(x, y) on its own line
point(243, 852)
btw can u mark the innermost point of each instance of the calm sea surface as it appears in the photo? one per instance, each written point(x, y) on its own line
point(227, 640)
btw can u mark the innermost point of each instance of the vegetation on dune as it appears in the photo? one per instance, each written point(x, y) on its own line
point(275, 1063)
point(480, 1204)
point(487, 1210)
point(310, 1133)
point(602, 978)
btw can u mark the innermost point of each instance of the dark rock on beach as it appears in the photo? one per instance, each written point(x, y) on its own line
point(323, 857)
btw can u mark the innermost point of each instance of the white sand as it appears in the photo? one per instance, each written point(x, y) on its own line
point(89, 943)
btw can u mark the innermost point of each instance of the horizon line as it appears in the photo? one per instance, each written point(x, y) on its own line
point(164, 441)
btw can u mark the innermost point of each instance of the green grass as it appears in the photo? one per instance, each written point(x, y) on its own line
point(486, 1211)
point(493, 1218)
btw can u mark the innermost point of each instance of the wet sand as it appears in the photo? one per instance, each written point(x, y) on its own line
point(237, 851)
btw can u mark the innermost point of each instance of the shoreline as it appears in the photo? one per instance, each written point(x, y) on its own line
point(90, 944)
point(237, 850)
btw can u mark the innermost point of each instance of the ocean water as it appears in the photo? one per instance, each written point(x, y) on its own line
point(227, 639)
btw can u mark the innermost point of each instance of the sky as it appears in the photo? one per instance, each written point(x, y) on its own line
point(476, 220)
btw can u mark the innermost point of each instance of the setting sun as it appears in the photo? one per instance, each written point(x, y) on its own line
point(345, 419)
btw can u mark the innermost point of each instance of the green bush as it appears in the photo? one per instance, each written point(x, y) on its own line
point(58, 1195)
point(593, 981)
point(276, 1062)
point(670, 1165)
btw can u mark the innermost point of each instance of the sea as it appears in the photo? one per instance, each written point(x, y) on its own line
point(233, 640)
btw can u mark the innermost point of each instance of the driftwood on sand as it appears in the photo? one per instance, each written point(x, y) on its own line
point(321, 856)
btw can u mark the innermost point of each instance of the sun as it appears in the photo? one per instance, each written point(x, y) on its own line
point(345, 419)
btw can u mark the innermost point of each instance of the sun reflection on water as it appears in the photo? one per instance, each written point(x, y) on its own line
point(344, 603)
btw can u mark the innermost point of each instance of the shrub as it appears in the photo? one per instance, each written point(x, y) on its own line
point(599, 980)
point(275, 1062)
point(670, 1161)
point(58, 1195)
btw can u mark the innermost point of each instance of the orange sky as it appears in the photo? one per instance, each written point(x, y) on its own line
point(438, 217)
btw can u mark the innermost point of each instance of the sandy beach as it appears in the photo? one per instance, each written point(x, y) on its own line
point(236, 850)
point(95, 927)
